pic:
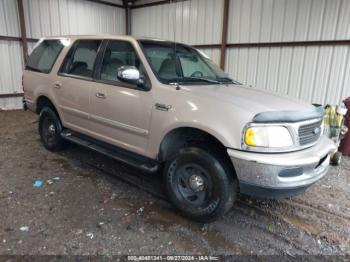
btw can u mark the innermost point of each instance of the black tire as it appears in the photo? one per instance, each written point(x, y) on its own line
point(50, 129)
point(336, 159)
point(203, 199)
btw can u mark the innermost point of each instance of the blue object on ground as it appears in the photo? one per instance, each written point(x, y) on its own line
point(56, 178)
point(38, 183)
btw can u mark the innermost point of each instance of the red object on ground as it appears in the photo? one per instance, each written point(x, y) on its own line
point(345, 143)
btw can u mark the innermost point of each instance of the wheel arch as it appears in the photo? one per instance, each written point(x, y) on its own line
point(188, 136)
point(44, 101)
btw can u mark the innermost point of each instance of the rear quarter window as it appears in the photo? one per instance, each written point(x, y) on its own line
point(44, 56)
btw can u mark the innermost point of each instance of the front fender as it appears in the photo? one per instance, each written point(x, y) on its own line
point(223, 122)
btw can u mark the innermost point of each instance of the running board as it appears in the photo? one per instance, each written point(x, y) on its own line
point(132, 159)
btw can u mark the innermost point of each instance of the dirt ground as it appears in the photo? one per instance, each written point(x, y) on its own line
point(100, 207)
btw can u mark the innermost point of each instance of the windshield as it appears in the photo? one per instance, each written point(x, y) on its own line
point(186, 66)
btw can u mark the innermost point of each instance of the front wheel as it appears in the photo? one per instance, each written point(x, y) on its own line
point(336, 159)
point(199, 183)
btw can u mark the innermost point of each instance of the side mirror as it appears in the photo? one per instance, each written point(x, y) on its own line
point(131, 75)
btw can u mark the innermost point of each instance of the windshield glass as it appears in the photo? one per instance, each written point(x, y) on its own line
point(186, 66)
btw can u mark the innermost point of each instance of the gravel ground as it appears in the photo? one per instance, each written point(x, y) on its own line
point(100, 207)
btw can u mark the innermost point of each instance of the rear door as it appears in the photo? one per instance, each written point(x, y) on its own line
point(75, 84)
point(121, 112)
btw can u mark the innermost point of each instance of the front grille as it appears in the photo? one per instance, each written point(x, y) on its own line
point(309, 133)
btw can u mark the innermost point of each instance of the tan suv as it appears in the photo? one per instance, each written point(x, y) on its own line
point(160, 105)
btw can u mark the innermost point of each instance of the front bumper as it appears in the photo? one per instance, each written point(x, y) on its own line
point(281, 174)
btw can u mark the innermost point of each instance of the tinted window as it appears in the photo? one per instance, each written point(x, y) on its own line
point(117, 54)
point(44, 56)
point(162, 59)
point(184, 65)
point(81, 59)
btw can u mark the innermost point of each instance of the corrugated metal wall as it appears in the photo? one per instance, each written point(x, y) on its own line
point(9, 24)
point(10, 54)
point(197, 22)
point(213, 53)
point(318, 74)
point(288, 20)
point(11, 72)
point(64, 17)
point(314, 74)
point(47, 18)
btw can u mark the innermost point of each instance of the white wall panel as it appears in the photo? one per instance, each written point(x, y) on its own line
point(10, 55)
point(64, 17)
point(197, 21)
point(9, 25)
point(31, 47)
point(314, 74)
point(317, 74)
point(11, 73)
point(288, 20)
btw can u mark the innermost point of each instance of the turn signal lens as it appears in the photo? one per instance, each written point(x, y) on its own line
point(249, 137)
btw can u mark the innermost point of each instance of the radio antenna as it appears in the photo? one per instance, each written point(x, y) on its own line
point(174, 30)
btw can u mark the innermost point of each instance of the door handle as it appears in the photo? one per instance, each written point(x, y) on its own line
point(57, 85)
point(100, 95)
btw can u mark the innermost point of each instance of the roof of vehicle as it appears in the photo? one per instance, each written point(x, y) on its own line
point(119, 37)
point(126, 37)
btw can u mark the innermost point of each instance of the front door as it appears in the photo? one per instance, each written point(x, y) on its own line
point(121, 112)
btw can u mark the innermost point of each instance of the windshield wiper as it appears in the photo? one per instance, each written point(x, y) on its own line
point(202, 79)
point(227, 79)
point(194, 79)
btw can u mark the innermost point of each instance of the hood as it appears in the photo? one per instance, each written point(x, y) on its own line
point(252, 100)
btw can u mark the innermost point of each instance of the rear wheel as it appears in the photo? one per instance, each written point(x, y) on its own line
point(50, 128)
point(199, 183)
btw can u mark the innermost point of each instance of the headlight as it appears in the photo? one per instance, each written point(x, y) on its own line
point(267, 137)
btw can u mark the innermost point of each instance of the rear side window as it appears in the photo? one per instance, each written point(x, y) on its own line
point(81, 58)
point(44, 56)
